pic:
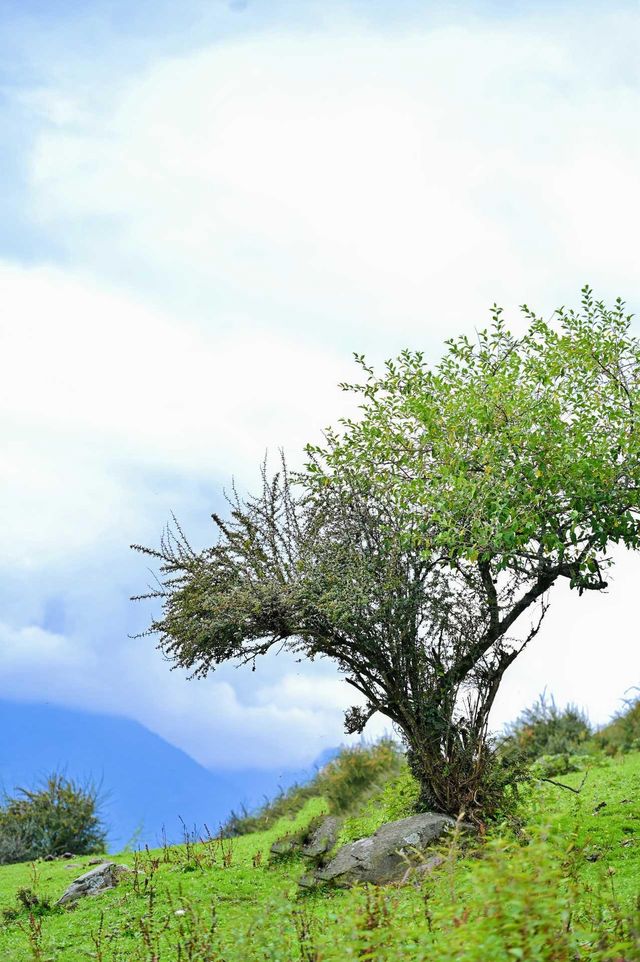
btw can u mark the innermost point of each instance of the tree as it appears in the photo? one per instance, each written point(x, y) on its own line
point(421, 534)
point(57, 816)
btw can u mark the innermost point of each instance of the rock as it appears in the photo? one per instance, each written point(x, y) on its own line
point(67, 855)
point(387, 855)
point(98, 880)
point(322, 838)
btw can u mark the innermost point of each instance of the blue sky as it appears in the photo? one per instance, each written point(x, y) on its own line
point(205, 208)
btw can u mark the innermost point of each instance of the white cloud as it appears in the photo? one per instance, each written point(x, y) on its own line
point(361, 182)
point(33, 647)
point(93, 382)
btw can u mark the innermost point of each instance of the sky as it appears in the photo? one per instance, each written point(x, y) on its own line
point(205, 209)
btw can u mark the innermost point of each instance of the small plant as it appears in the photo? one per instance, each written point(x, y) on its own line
point(196, 939)
point(226, 851)
point(29, 900)
point(33, 931)
point(372, 919)
point(256, 860)
point(305, 934)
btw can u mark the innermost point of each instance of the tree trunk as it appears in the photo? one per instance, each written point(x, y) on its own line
point(450, 762)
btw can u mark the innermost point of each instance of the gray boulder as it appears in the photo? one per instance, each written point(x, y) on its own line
point(388, 855)
point(98, 880)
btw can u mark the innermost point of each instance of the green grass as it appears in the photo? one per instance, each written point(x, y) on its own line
point(195, 878)
point(609, 833)
point(532, 893)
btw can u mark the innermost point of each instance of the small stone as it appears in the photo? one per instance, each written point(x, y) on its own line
point(98, 880)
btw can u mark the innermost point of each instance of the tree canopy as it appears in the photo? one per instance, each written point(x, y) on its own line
point(518, 452)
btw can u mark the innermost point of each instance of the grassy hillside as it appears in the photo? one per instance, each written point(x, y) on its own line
point(560, 883)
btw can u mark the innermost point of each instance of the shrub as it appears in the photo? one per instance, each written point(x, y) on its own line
point(545, 729)
point(623, 731)
point(57, 816)
point(546, 766)
point(355, 771)
point(519, 902)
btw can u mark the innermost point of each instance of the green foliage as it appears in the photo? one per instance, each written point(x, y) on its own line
point(342, 782)
point(521, 902)
point(545, 729)
point(546, 766)
point(508, 446)
point(356, 770)
point(58, 816)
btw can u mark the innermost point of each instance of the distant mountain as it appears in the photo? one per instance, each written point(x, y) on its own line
point(148, 784)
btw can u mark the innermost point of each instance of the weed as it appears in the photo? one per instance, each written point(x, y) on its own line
point(33, 930)
point(305, 933)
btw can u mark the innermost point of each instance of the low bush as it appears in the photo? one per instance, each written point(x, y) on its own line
point(547, 766)
point(398, 798)
point(545, 729)
point(57, 816)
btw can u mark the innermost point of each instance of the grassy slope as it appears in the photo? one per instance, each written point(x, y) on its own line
point(543, 900)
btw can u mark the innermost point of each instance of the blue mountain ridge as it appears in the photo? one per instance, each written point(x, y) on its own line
point(149, 786)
